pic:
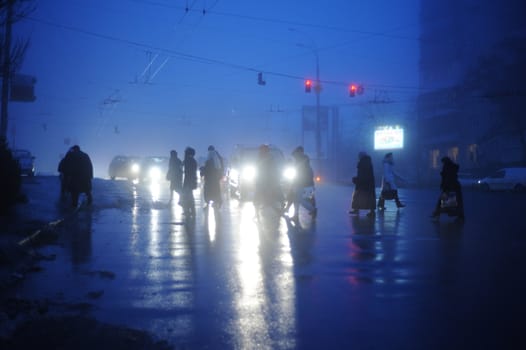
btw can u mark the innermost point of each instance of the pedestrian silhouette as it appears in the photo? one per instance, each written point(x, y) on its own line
point(189, 182)
point(212, 173)
point(301, 191)
point(450, 200)
point(364, 196)
point(78, 170)
point(175, 174)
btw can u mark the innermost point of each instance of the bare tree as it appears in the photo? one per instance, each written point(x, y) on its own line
point(11, 53)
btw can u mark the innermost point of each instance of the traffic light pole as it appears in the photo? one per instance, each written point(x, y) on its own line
point(317, 90)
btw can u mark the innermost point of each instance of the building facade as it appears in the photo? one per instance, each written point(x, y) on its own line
point(472, 65)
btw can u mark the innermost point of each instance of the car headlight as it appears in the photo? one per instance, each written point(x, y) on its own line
point(289, 173)
point(249, 173)
point(135, 168)
point(154, 173)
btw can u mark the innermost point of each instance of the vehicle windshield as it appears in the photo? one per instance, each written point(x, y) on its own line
point(252, 154)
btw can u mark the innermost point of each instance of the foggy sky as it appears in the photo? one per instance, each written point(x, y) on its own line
point(143, 77)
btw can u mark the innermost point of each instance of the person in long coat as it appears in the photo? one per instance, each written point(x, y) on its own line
point(175, 174)
point(364, 196)
point(449, 183)
point(78, 169)
point(189, 182)
point(212, 173)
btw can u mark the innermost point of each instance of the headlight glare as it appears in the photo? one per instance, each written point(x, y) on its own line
point(154, 173)
point(289, 173)
point(249, 173)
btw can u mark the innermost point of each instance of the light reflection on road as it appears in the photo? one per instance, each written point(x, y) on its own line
point(249, 301)
point(264, 264)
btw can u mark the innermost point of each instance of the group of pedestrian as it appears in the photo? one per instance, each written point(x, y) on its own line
point(183, 179)
point(76, 174)
point(364, 194)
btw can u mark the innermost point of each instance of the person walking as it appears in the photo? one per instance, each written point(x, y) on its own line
point(189, 182)
point(449, 183)
point(389, 188)
point(364, 196)
point(175, 174)
point(212, 173)
point(78, 169)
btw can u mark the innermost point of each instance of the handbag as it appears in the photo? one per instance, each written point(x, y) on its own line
point(388, 192)
point(448, 200)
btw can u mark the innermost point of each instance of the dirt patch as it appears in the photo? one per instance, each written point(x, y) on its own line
point(78, 332)
point(48, 324)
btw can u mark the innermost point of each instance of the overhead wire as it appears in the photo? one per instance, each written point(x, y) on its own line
point(280, 21)
point(189, 57)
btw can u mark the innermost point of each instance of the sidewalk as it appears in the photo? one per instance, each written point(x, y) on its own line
point(48, 324)
point(25, 225)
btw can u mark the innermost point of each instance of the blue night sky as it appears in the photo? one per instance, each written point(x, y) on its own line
point(142, 77)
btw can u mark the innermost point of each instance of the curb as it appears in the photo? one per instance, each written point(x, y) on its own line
point(24, 242)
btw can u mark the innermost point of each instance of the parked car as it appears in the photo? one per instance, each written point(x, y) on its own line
point(242, 170)
point(513, 179)
point(25, 160)
point(124, 167)
point(154, 168)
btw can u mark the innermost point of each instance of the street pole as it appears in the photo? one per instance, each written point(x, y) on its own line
point(6, 70)
point(317, 90)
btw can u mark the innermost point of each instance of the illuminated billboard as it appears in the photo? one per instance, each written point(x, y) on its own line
point(388, 137)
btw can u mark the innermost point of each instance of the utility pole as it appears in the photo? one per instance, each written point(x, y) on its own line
point(317, 90)
point(6, 69)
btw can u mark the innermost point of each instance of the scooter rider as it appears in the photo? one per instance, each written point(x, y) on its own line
point(302, 181)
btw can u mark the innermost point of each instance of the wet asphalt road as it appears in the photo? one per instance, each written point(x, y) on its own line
point(398, 281)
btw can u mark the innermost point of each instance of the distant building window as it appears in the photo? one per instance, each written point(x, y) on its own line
point(453, 153)
point(434, 158)
point(472, 151)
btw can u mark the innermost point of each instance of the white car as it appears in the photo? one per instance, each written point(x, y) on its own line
point(25, 160)
point(511, 179)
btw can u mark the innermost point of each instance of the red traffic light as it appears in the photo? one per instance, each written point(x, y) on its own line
point(353, 88)
point(308, 85)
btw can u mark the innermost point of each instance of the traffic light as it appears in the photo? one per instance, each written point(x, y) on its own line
point(353, 88)
point(308, 85)
point(260, 79)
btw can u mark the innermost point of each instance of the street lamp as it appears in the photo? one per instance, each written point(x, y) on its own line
point(317, 88)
